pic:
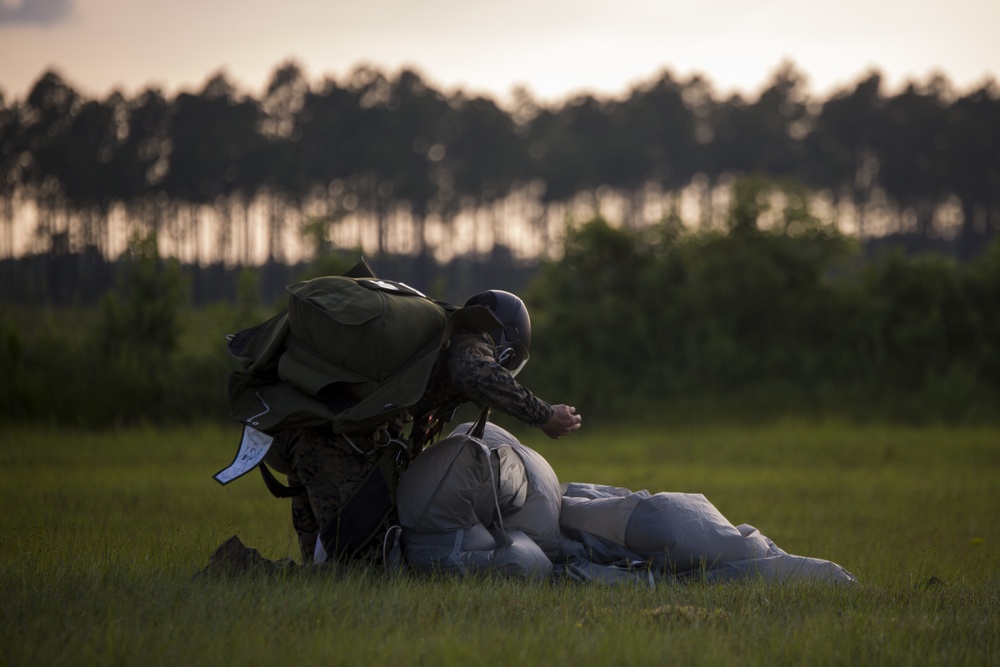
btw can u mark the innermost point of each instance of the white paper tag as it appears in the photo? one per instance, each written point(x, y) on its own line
point(253, 447)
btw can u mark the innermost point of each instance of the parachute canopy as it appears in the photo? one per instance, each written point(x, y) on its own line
point(469, 505)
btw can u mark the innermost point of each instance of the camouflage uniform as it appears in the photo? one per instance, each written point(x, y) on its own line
point(330, 469)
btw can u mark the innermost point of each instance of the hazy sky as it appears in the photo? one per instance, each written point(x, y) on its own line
point(554, 48)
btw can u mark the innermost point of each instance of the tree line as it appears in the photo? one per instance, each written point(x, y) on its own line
point(390, 160)
point(659, 324)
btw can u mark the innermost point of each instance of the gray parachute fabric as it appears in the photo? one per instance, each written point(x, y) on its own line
point(677, 534)
point(536, 506)
point(451, 501)
point(675, 531)
point(469, 505)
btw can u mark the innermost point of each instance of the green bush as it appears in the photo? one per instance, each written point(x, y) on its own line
point(755, 324)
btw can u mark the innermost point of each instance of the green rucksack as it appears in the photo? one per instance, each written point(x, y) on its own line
point(350, 352)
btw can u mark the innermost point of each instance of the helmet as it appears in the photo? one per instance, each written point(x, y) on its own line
point(513, 338)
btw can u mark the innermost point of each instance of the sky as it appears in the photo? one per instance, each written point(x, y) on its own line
point(552, 48)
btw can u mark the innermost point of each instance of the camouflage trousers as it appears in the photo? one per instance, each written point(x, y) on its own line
point(331, 473)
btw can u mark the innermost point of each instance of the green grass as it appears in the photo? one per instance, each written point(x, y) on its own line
point(102, 534)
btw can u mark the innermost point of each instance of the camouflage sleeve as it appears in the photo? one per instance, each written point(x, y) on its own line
point(474, 372)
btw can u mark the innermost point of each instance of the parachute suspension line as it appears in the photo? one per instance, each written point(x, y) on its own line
point(390, 542)
point(476, 432)
point(496, 498)
point(350, 441)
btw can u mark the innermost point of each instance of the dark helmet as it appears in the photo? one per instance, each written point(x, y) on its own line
point(513, 339)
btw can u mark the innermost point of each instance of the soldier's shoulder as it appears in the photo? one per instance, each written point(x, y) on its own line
point(467, 339)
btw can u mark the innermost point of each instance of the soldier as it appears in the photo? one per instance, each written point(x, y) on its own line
point(330, 470)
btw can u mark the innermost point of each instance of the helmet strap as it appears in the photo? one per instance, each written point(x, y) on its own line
point(503, 356)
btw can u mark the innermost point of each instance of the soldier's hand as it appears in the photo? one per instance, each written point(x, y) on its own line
point(563, 421)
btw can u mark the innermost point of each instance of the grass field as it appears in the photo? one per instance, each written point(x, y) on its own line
point(102, 534)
